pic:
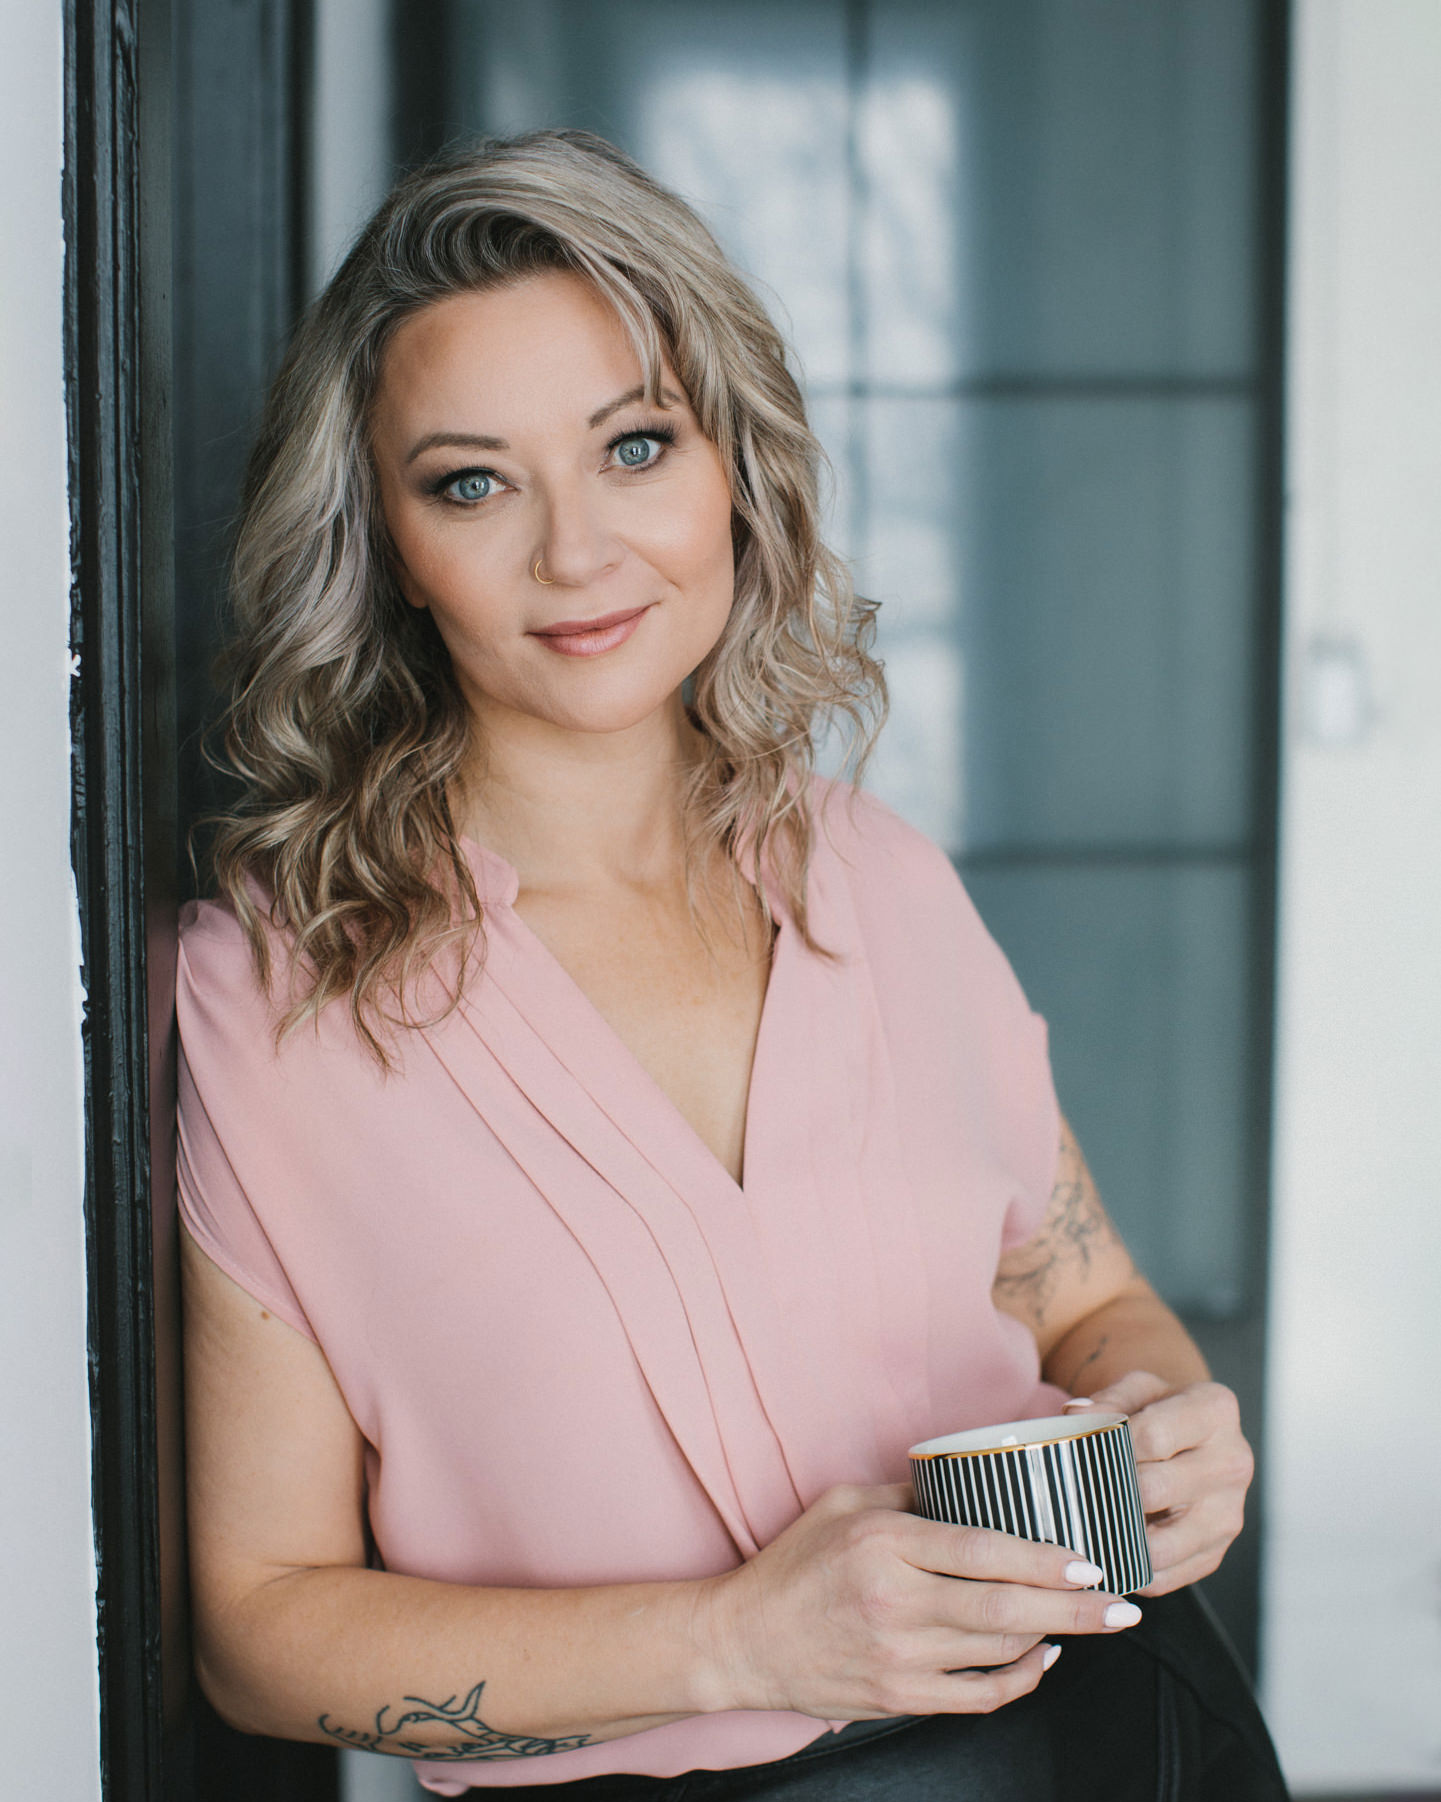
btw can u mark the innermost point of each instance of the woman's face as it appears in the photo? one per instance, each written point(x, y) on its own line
point(510, 430)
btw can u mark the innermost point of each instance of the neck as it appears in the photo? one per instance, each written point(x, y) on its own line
point(582, 809)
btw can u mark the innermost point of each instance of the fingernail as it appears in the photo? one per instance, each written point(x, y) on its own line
point(1122, 1614)
point(1078, 1401)
point(1052, 1654)
point(1083, 1574)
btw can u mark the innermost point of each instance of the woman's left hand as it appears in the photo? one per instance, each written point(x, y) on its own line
point(1194, 1465)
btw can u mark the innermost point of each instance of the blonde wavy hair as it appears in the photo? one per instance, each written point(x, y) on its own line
point(346, 726)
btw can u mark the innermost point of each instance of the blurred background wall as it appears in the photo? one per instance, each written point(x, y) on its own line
point(1352, 1610)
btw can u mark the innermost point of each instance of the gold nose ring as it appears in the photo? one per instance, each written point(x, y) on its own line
point(545, 581)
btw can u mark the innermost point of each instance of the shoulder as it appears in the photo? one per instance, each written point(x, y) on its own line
point(905, 893)
point(210, 928)
point(873, 844)
point(959, 1026)
point(214, 952)
point(233, 1012)
point(222, 996)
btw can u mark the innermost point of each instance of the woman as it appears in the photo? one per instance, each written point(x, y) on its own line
point(604, 1146)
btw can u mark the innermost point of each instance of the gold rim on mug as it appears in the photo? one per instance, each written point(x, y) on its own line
point(1095, 1423)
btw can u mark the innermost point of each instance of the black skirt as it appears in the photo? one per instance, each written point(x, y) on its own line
point(1160, 1713)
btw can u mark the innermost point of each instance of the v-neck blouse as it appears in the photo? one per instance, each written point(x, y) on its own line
point(577, 1350)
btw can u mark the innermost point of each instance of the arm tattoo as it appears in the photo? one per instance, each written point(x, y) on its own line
point(1076, 1227)
point(463, 1717)
point(1073, 1383)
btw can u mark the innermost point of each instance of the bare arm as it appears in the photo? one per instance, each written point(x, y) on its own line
point(1102, 1330)
point(853, 1612)
point(1074, 1284)
point(295, 1637)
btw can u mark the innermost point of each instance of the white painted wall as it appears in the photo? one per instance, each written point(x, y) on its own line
point(1352, 1624)
point(47, 1571)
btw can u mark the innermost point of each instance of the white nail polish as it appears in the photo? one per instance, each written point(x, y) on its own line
point(1122, 1614)
point(1083, 1575)
point(1079, 1401)
point(1052, 1654)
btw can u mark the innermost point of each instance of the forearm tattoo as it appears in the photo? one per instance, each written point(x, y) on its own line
point(1075, 1230)
point(1073, 1382)
point(394, 1732)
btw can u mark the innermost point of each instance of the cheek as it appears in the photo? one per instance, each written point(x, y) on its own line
point(700, 537)
point(429, 569)
point(408, 551)
point(434, 571)
point(433, 562)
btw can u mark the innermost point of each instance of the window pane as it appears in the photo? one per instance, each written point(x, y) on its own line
point(1090, 565)
point(1087, 170)
point(741, 107)
point(1142, 975)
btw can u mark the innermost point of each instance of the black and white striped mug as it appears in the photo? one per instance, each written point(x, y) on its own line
point(1069, 1480)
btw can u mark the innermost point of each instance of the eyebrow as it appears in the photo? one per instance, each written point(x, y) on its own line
point(465, 440)
point(624, 400)
point(480, 441)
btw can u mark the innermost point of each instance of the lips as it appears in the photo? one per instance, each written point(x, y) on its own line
point(573, 628)
point(590, 637)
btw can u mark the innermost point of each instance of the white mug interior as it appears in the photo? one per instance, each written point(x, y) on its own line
point(1011, 1434)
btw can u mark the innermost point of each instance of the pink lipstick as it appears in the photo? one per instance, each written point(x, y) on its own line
point(590, 637)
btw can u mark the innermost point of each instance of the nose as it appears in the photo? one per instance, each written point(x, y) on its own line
point(576, 547)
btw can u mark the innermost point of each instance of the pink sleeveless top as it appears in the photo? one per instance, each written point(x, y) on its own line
point(578, 1352)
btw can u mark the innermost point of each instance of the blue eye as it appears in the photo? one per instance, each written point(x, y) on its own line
point(474, 485)
point(638, 450)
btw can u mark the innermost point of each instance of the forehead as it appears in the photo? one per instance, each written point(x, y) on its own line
point(546, 344)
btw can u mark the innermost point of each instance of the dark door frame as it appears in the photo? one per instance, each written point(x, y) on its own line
point(159, 1742)
point(116, 341)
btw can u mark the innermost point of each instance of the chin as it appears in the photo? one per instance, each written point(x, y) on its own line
point(604, 718)
point(602, 701)
point(593, 698)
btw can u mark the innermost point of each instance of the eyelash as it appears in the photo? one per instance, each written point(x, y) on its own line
point(661, 432)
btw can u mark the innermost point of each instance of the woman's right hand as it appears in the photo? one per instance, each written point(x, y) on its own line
point(859, 1610)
